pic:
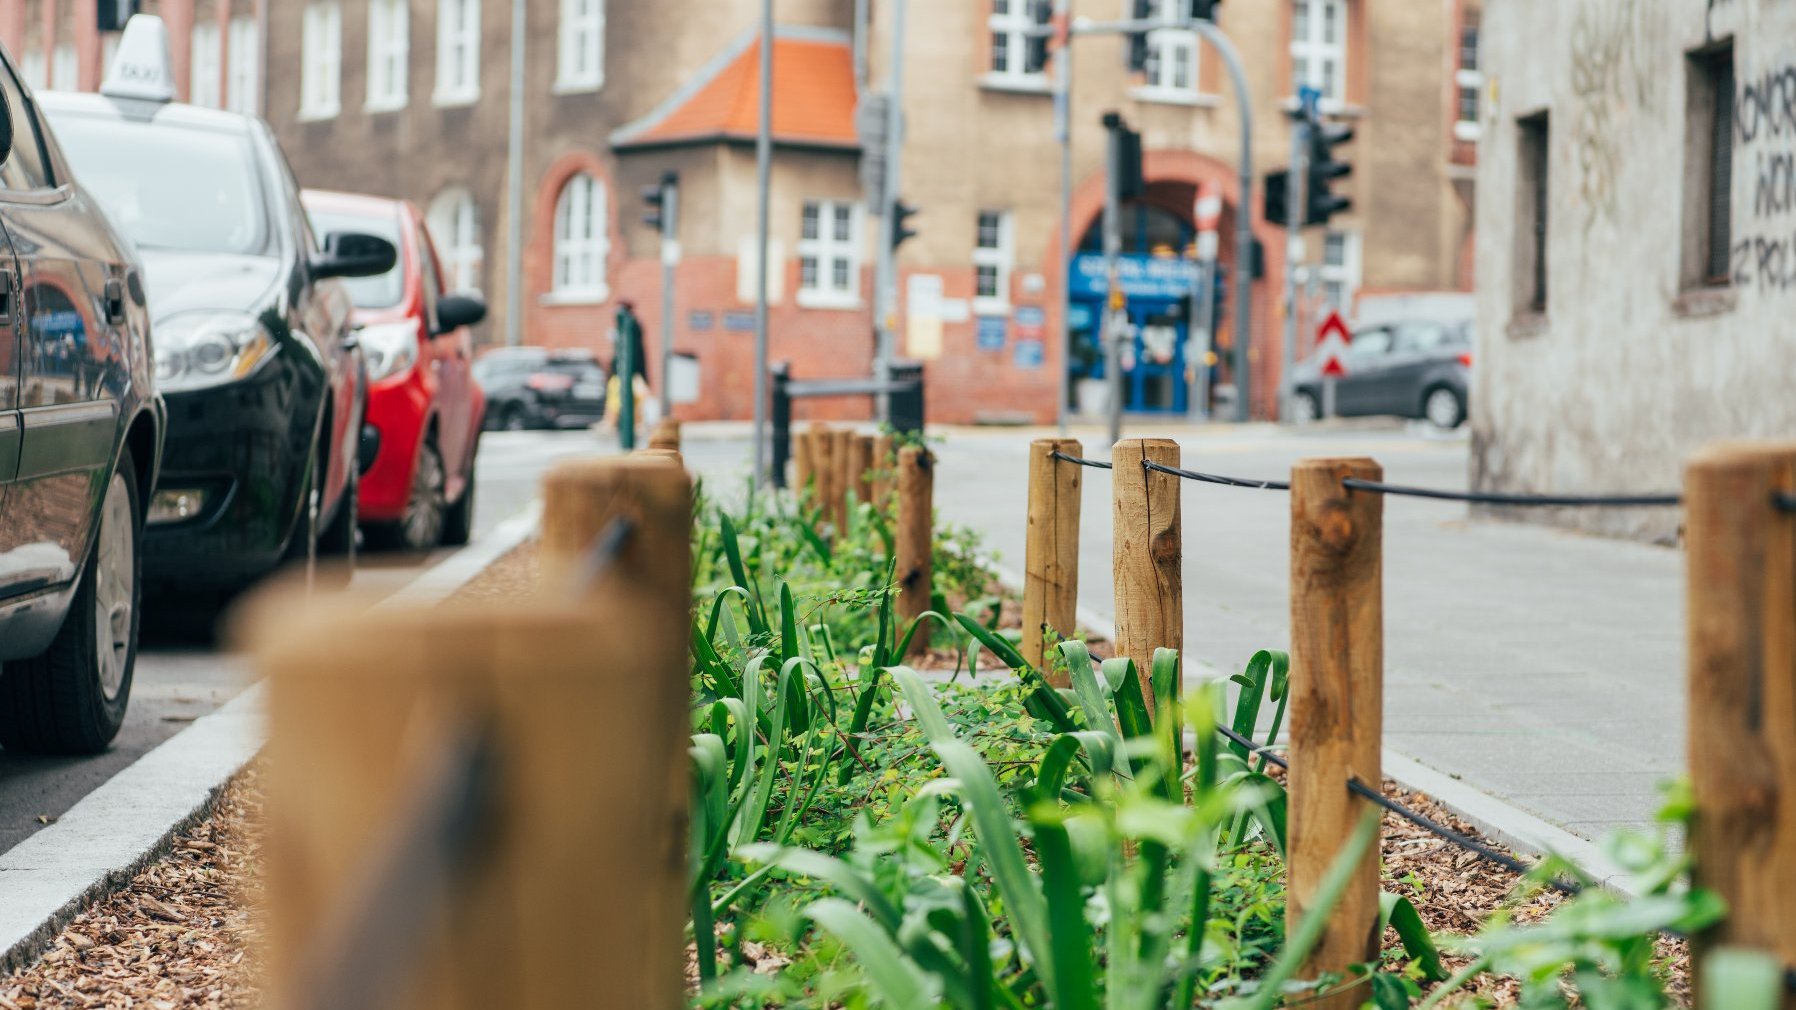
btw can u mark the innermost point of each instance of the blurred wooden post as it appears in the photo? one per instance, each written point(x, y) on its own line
point(579, 704)
point(841, 454)
point(885, 466)
point(803, 470)
point(1741, 572)
point(1051, 552)
point(1337, 704)
point(666, 435)
point(1148, 563)
point(861, 467)
point(915, 539)
point(823, 464)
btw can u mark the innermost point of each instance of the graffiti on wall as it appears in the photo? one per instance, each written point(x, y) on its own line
point(1764, 255)
point(1613, 78)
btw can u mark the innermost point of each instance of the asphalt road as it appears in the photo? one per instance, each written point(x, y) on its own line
point(182, 673)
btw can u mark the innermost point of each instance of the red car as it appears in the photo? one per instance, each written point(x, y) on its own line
point(424, 408)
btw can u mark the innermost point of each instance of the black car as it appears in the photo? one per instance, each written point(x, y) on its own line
point(81, 431)
point(254, 348)
point(532, 387)
point(1415, 368)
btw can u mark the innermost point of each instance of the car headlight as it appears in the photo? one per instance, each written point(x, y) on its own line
point(198, 350)
point(391, 348)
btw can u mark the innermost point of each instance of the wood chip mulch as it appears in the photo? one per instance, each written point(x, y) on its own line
point(514, 575)
point(179, 936)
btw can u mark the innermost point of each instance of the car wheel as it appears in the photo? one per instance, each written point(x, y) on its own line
point(72, 699)
point(422, 527)
point(513, 417)
point(1443, 408)
point(1304, 408)
point(458, 523)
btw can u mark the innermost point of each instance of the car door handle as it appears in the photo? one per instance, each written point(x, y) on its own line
point(115, 300)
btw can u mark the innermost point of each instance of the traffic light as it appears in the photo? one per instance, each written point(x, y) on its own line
point(1323, 204)
point(901, 213)
point(658, 199)
point(1278, 197)
point(1129, 181)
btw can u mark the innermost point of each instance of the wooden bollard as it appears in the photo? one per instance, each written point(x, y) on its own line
point(1741, 578)
point(421, 763)
point(823, 462)
point(666, 435)
point(914, 542)
point(1051, 551)
point(803, 470)
point(841, 453)
point(1148, 563)
point(885, 468)
point(582, 498)
point(860, 466)
point(1337, 704)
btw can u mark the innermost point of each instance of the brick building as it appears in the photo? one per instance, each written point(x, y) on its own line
point(410, 98)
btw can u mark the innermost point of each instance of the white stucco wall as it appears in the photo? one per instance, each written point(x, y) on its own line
point(1627, 372)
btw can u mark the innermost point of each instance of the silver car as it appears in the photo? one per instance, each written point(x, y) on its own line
point(1414, 368)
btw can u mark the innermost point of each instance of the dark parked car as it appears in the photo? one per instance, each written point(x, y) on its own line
point(81, 432)
point(531, 387)
point(254, 349)
point(1415, 368)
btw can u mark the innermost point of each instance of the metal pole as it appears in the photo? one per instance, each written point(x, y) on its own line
point(670, 259)
point(1063, 132)
point(860, 45)
point(763, 191)
point(1113, 312)
point(1243, 213)
point(514, 185)
point(629, 345)
point(886, 271)
point(1295, 207)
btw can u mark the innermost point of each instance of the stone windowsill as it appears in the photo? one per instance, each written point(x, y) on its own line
point(1701, 303)
point(1526, 323)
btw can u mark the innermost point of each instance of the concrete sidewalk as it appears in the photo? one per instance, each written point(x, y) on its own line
point(1542, 667)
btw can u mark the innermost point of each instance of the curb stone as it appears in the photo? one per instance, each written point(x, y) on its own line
point(131, 820)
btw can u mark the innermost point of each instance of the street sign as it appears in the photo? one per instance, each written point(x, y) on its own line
point(1331, 345)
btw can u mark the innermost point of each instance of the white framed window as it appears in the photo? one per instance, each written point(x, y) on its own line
point(454, 222)
point(1468, 82)
point(1017, 57)
point(458, 52)
point(65, 68)
point(389, 53)
point(243, 71)
point(994, 253)
point(1172, 54)
point(1339, 271)
point(829, 254)
point(581, 66)
point(205, 77)
point(321, 69)
point(582, 241)
point(35, 69)
point(1319, 47)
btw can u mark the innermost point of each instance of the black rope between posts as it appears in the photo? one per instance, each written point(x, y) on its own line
point(1494, 498)
point(1095, 464)
point(1785, 501)
point(1213, 478)
point(604, 551)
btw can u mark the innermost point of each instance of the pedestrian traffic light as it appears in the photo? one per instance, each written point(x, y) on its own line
point(901, 213)
point(1324, 168)
point(658, 199)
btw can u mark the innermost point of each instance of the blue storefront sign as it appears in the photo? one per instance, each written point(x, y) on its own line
point(1030, 317)
point(1028, 354)
point(739, 322)
point(991, 333)
point(1141, 276)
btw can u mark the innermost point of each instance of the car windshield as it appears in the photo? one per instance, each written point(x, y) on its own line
point(379, 292)
point(506, 366)
point(185, 188)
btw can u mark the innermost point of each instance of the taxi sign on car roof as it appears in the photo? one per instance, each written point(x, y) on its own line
point(141, 68)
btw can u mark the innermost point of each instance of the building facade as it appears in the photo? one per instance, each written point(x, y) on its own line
point(410, 98)
point(1634, 244)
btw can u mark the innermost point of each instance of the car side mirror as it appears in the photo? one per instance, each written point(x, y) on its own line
point(457, 311)
point(354, 254)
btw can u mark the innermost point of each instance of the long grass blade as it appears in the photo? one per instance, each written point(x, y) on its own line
point(894, 978)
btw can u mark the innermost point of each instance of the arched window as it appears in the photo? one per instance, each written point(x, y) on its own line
point(581, 240)
point(454, 220)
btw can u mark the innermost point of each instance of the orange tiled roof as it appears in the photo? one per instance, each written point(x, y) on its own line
point(813, 96)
